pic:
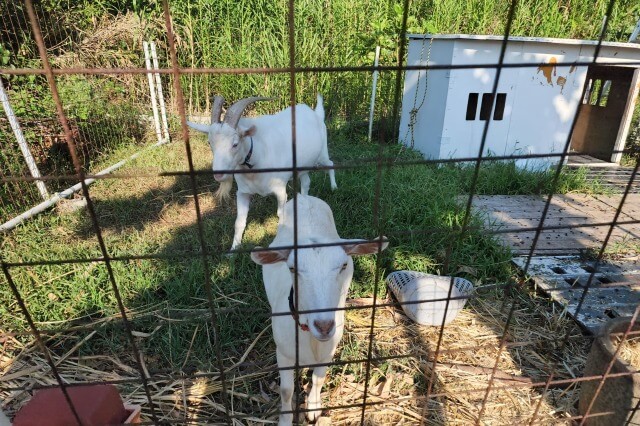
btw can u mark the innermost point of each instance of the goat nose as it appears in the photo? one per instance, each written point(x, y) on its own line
point(324, 327)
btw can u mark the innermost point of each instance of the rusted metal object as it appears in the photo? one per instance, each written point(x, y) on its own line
point(618, 396)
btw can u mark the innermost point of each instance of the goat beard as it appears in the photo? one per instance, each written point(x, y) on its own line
point(224, 190)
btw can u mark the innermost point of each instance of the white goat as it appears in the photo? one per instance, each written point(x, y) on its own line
point(324, 275)
point(264, 142)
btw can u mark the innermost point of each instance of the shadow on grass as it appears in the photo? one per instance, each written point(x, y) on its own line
point(469, 352)
point(166, 297)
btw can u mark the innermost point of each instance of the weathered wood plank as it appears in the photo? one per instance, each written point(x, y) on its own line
point(588, 220)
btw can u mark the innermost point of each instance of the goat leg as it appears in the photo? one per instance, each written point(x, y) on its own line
point(242, 201)
point(314, 401)
point(286, 389)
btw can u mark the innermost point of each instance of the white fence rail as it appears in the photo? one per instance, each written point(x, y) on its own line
point(161, 128)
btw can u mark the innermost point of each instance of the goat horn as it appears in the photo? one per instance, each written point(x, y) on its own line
point(216, 109)
point(235, 111)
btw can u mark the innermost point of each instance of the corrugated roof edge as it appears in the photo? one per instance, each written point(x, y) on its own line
point(570, 41)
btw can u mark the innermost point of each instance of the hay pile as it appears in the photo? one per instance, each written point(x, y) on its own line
point(397, 387)
point(176, 397)
point(467, 356)
point(630, 350)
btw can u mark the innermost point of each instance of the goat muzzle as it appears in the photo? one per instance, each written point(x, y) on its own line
point(221, 177)
point(325, 328)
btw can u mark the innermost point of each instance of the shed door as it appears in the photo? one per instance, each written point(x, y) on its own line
point(601, 112)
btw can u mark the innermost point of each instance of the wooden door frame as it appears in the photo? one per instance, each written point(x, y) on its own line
point(625, 123)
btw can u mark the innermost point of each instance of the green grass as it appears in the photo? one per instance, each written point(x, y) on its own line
point(331, 33)
point(149, 215)
point(166, 297)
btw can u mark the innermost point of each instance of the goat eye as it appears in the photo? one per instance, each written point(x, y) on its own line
point(343, 267)
point(293, 270)
point(235, 145)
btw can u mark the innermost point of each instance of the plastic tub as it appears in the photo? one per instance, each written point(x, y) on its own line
point(411, 286)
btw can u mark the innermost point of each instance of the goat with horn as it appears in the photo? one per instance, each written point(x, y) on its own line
point(264, 142)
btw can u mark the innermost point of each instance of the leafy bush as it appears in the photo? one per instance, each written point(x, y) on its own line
point(101, 119)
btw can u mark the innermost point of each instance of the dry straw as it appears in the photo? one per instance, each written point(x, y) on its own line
point(398, 386)
point(630, 351)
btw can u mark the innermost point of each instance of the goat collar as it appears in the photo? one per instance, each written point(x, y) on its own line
point(248, 157)
point(294, 312)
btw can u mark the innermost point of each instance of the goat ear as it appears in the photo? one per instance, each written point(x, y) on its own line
point(248, 132)
point(270, 256)
point(204, 128)
point(366, 247)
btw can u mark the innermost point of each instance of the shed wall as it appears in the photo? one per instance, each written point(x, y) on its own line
point(539, 106)
point(429, 100)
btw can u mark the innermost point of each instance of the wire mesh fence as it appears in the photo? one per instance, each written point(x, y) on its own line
point(139, 288)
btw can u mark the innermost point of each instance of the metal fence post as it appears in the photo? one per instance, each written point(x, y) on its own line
point(152, 90)
point(26, 153)
point(373, 92)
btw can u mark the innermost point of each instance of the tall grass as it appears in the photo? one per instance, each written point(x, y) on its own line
point(343, 33)
point(533, 18)
point(254, 33)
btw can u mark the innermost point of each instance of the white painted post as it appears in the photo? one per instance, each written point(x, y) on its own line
point(373, 92)
point(163, 111)
point(636, 32)
point(26, 153)
point(152, 90)
point(50, 202)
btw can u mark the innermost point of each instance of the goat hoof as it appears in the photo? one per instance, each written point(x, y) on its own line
point(314, 415)
point(285, 420)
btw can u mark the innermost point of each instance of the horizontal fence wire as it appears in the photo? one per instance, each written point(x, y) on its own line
point(355, 164)
point(82, 141)
point(299, 69)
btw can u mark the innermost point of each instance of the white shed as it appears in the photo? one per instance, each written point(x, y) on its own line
point(444, 111)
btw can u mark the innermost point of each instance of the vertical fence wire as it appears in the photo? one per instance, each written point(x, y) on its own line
point(200, 225)
point(539, 231)
point(474, 182)
point(96, 226)
point(377, 211)
point(291, 37)
point(378, 216)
